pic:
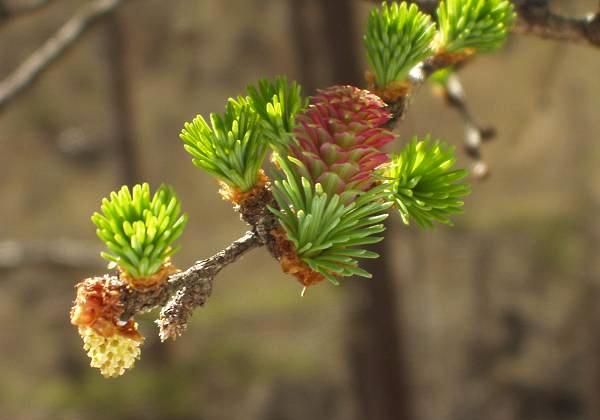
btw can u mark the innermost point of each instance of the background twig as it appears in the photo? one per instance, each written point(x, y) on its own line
point(60, 252)
point(536, 18)
point(53, 48)
point(8, 12)
point(475, 134)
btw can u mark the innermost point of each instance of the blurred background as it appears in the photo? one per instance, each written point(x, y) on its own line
point(494, 319)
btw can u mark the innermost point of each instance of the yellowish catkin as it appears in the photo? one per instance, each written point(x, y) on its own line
point(112, 355)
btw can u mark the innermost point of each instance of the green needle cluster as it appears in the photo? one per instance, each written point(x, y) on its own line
point(398, 37)
point(231, 148)
point(423, 183)
point(277, 102)
point(138, 229)
point(478, 24)
point(328, 235)
point(441, 76)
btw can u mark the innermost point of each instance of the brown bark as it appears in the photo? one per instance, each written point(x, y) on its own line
point(121, 101)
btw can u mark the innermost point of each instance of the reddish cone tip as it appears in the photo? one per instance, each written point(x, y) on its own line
point(340, 139)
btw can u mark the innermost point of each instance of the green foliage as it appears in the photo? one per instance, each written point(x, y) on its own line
point(423, 184)
point(328, 235)
point(232, 149)
point(139, 230)
point(479, 24)
point(277, 102)
point(441, 76)
point(398, 37)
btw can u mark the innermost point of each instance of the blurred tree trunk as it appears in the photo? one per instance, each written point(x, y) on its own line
point(375, 343)
point(300, 21)
point(121, 101)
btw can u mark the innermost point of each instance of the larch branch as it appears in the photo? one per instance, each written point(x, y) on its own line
point(536, 18)
point(187, 289)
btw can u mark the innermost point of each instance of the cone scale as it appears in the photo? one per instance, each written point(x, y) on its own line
point(340, 139)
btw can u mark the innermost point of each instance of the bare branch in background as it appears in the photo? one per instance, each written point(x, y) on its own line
point(8, 12)
point(417, 78)
point(536, 18)
point(475, 134)
point(60, 252)
point(54, 48)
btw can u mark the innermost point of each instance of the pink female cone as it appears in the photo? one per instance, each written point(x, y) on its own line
point(340, 139)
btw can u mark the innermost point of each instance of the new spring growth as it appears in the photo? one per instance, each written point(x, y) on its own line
point(277, 102)
point(231, 148)
point(398, 37)
point(423, 183)
point(333, 187)
point(340, 140)
point(139, 229)
point(480, 25)
point(328, 207)
point(327, 234)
